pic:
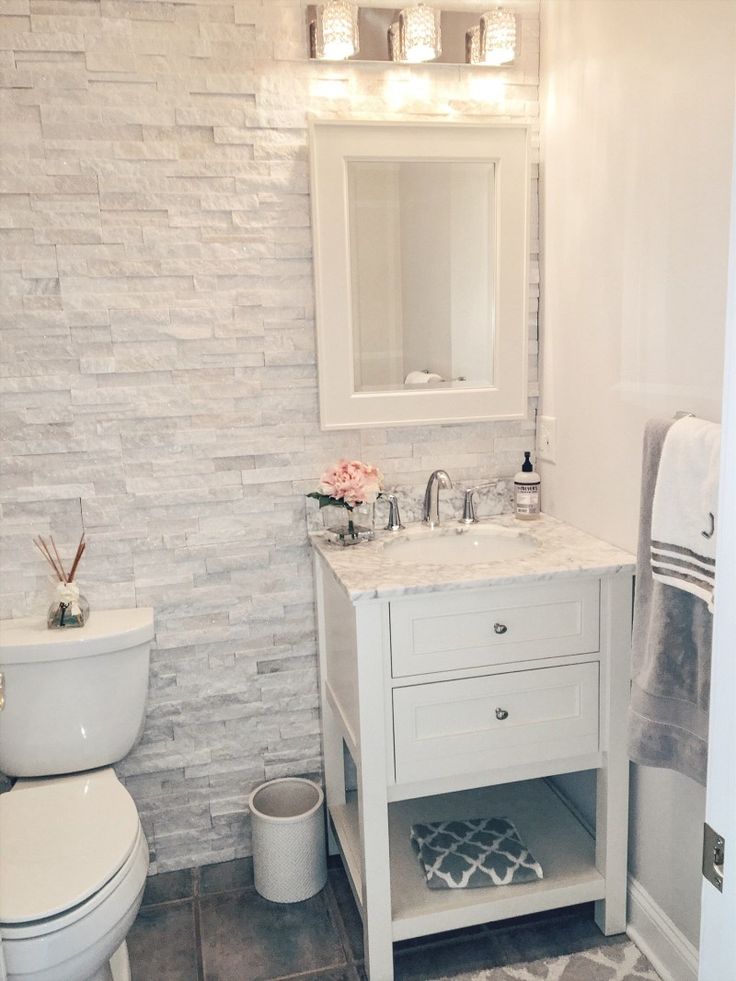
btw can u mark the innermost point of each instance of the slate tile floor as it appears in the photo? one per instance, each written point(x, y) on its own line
point(210, 924)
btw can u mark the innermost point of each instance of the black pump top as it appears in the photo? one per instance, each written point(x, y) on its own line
point(527, 464)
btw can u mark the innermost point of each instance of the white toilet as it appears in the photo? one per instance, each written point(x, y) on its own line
point(73, 856)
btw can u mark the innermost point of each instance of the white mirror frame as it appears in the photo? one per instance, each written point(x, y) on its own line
point(335, 142)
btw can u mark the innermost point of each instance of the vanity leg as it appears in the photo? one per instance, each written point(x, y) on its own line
point(372, 635)
point(332, 750)
point(332, 744)
point(612, 807)
point(377, 940)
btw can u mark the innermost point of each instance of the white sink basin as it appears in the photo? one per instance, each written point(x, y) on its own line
point(460, 545)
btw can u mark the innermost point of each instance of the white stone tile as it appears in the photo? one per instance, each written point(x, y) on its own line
point(159, 383)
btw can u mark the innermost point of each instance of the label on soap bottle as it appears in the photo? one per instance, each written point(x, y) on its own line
point(526, 497)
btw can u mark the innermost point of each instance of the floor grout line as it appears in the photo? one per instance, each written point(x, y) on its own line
point(196, 879)
point(560, 931)
point(333, 908)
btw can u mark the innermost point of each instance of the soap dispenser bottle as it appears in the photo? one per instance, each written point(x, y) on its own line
point(527, 485)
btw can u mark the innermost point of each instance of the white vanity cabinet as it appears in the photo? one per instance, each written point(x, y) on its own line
point(460, 700)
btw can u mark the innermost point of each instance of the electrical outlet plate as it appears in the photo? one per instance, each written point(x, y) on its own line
point(547, 439)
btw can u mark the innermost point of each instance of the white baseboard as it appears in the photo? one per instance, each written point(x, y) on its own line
point(672, 955)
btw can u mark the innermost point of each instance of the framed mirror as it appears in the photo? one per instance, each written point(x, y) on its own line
point(421, 237)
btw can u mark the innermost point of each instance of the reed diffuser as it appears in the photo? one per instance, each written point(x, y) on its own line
point(69, 608)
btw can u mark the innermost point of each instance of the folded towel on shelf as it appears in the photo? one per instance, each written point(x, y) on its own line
point(671, 647)
point(473, 853)
point(423, 378)
point(683, 544)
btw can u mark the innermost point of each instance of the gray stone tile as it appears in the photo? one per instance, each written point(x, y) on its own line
point(524, 938)
point(549, 934)
point(448, 958)
point(248, 938)
point(226, 876)
point(162, 944)
point(167, 887)
point(347, 909)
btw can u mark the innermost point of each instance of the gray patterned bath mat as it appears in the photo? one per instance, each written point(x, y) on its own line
point(473, 853)
point(614, 962)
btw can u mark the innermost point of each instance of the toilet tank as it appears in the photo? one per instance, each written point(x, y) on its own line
point(75, 698)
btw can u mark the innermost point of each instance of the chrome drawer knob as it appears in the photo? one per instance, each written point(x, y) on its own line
point(501, 714)
point(500, 628)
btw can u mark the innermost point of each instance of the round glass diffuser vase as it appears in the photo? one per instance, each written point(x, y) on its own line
point(69, 608)
point(346, 526)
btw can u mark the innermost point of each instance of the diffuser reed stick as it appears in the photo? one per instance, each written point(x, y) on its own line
point(54, 560)
point(80, 552)
point(44, 550)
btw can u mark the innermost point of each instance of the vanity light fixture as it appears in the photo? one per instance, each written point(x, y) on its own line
point(472, 46)
point(393, 35)
point(334, 35)
point(497, 37)
point(420, 33)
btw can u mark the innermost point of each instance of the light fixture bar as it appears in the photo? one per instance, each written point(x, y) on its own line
point(375, 31)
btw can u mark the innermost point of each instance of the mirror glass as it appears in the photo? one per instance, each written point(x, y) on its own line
point(422, 273)
point(421, 248)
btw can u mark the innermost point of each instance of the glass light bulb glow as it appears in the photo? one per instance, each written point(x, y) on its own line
point(497, 37)
point(337, 30)
point(421, 33)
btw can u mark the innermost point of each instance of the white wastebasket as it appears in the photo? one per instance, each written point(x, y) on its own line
point(288, 827)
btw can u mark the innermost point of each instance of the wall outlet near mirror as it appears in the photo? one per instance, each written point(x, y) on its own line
point(547, 438)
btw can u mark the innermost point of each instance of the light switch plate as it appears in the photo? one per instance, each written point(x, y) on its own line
point(547, 439)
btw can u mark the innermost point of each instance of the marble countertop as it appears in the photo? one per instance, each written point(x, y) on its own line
point(369, 571)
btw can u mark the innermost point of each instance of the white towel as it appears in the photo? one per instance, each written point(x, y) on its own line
point(684, 518)
point(422, 378)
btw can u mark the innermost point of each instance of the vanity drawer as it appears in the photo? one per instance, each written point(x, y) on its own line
point(450, 631)
point(447, 728)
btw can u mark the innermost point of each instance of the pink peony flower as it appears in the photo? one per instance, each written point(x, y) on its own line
point(352, 482)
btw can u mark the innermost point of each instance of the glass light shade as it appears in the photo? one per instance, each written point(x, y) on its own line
point(472, 46)
point(420, 33)
point(497, 37)
point(394, 42)
point(337, 30)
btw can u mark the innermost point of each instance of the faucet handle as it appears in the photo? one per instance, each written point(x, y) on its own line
point(394, 515)
point(469, 517)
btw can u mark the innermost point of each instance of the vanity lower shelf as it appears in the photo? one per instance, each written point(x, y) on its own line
point(560, 843)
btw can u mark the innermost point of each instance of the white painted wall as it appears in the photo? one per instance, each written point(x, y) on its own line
point(637, 105)
point(717, 937)
point(425, 268)
point(375, 254)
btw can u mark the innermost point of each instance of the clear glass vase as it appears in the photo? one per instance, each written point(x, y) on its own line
point(346, 526)
point(69, 609)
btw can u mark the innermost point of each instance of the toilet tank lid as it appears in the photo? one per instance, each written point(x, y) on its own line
point(29, 639)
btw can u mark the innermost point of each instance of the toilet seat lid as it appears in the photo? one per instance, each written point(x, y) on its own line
point(61, 840)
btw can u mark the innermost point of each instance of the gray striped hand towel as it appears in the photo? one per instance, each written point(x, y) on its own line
point(684, 510)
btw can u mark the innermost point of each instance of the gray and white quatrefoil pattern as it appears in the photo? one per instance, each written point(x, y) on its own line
point(473, 853)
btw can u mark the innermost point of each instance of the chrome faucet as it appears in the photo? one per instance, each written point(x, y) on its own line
point(431, 509)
